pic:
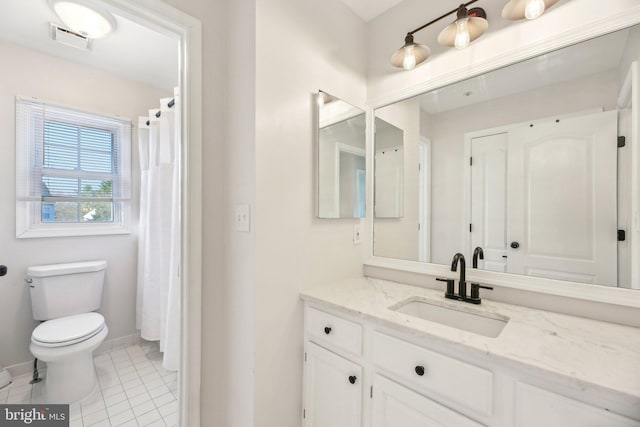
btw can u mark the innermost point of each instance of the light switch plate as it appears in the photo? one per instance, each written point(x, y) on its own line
point(243, 218)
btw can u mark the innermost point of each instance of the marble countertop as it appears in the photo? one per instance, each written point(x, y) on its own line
point(589, 353)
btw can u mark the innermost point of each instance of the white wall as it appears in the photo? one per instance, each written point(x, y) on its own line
point(302, 46)
point(29, 73)
point(398, 237)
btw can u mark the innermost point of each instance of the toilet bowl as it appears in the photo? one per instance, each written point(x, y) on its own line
point(65, 297)
point(66, 345)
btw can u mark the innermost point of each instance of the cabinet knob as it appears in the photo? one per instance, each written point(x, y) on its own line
point(420, 370)
point(327, 330)
point(515, 245)
point(352, 379)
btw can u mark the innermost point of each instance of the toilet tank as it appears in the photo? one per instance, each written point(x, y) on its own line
point(59, 290)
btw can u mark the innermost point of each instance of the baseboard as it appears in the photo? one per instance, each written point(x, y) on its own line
point(107, 346)
point(117, 343)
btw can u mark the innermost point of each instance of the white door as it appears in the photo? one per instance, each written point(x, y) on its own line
point(489, 200)
point(332, 390)
point(397, 406)
point(561, 204)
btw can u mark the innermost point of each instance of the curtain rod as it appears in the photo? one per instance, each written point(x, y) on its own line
point(170, 105)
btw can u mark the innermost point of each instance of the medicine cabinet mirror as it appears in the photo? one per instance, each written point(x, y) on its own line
point(341, 158)
point(534, 163)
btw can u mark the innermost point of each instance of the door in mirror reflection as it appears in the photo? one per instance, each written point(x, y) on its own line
point(341, 159)
point(555, 182)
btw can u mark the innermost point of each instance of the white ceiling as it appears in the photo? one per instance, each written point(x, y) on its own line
point(369, 9)
point(132, 51)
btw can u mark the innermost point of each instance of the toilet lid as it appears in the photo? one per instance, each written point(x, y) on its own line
point(68, 330)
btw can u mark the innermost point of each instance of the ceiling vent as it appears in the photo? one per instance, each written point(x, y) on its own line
point(69, 38)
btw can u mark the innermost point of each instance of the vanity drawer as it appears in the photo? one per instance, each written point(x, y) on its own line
point(330, 330)
point(457, 381)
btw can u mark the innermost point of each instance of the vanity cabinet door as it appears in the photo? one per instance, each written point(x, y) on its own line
point(536, 407)
point(332, 390)
point(397, 406)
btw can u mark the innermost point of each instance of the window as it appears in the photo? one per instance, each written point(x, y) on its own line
point(73, 171)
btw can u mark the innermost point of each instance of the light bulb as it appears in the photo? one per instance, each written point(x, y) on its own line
point(533, 9)
point(409, 61)
point(83, 19)
point(462, 39)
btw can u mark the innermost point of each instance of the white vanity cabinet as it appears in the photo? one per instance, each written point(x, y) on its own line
point(536, 407)
point(395, 405)
point(335, 381)
point(359, 373)
point(333, 384)
point(332, 391)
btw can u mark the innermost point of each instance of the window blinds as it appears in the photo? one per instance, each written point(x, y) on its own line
point(74, 160)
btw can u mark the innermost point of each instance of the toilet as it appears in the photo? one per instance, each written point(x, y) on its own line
point(65, 297)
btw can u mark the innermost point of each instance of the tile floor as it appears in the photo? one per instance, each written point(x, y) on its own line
point(133, 390)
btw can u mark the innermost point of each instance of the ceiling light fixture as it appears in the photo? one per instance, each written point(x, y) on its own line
point(468, 26)
point(529, 9)
point(84, 18)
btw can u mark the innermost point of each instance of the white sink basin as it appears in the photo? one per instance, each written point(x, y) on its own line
point(489, 325)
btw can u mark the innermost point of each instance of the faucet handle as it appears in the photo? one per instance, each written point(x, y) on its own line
point(475, 291)
point(450, 285)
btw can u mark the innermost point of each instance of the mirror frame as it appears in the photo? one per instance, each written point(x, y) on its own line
point(617, 20)
point(187, 30)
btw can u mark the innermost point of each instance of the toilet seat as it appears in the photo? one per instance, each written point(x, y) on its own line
point(68, 330)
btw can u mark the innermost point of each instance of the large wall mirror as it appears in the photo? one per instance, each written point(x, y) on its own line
point(341, 158)
point(525, 162)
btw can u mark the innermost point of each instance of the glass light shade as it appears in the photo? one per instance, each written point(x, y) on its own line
point(454, 36)
point(463, 38)
point(529, 9)
point(410, 55)
point(84, 18)
point(534, 8)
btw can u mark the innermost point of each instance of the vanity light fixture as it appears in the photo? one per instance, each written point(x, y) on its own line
point(468, 26)
point(530, 9)
point(84, 18)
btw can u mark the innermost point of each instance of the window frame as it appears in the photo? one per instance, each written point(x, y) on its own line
point(29, 222)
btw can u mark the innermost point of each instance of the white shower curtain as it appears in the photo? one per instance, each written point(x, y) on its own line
point(158, 303)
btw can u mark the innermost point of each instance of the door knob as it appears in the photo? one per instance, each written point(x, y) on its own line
point(515, 245)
